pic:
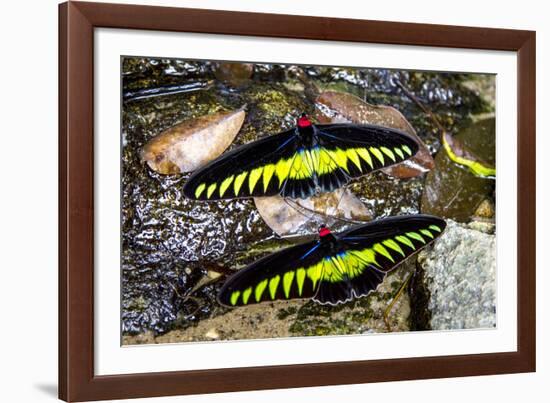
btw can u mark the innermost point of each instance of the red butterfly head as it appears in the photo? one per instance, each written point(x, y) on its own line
point(303, 121)
point(324, 231)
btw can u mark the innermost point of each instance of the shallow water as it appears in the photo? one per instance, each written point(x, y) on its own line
point(176, 252)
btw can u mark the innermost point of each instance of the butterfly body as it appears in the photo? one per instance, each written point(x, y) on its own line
point(301, 162)
point(335, 268)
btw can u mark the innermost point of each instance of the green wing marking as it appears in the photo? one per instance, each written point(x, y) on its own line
point(257, 169)
point(284, 164)
point(331, 274)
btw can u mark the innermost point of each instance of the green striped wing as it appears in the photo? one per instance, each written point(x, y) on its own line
point(346, 152)
point(261, 168)
point(333, 272)
point(295, 166)
point(280, 275)
point(370, 251)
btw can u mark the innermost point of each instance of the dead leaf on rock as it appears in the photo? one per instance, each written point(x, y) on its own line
point(340, 107)
point(461, 155)
point(302, 217)
point(450, 190)
point(192, 143)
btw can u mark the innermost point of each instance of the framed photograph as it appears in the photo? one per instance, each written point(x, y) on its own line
point(255, 201)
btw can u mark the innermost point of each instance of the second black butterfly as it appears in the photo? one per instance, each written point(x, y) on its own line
point(334, 268)
point(301, 162)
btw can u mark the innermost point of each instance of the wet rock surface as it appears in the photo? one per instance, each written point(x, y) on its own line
point(176, 252)
point(460, 274)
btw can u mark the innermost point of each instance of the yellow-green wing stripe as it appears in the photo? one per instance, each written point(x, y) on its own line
point(415, 235)
point(352, 155)
point(260, 288)
point(354, 265)
point(327, 162)
point(405, 241)
point(427, 233)
point(379, 248)
point(210, 190)
point(314, 273)
point(435, 228)
point(330, 271)
point(287, 282)
point(364, 153)
point(390, 243)
point(407, 149)
point(273, 283)
point(225, 184)
point(367, 256)
point(340, 266)
point(314, 154)
point(234, 297)
point(299, 168)
point(282, 170)
point(200, 189)
point(300, 277)
point(239, 182)
point(399, 152)
point(388, 152)
point(268, 174)
point(255, 174)
point(341, 158)
point(246, 295)
point(378, 154)
point(308, 160)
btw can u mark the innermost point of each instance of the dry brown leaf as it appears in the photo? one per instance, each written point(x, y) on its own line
point(450, 190)
point(300, 217)
point(192, 143)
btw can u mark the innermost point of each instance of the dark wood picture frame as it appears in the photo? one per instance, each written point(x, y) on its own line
point(77, 21)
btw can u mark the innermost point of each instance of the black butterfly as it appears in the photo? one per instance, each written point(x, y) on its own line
point(335, 268)
point(301, 162)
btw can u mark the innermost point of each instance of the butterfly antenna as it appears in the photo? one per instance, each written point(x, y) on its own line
point(299, 208)
point(340, 198)
point(395, 298)
point(296, 206)
point(347, 220)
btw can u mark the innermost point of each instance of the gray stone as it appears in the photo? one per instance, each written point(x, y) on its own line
point(460, 272)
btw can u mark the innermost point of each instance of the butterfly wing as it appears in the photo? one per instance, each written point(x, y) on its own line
point(280, 275)
point(262, 168)
point(348, 151)
point(281, 164)
point(353, 265)
point(370, 251)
